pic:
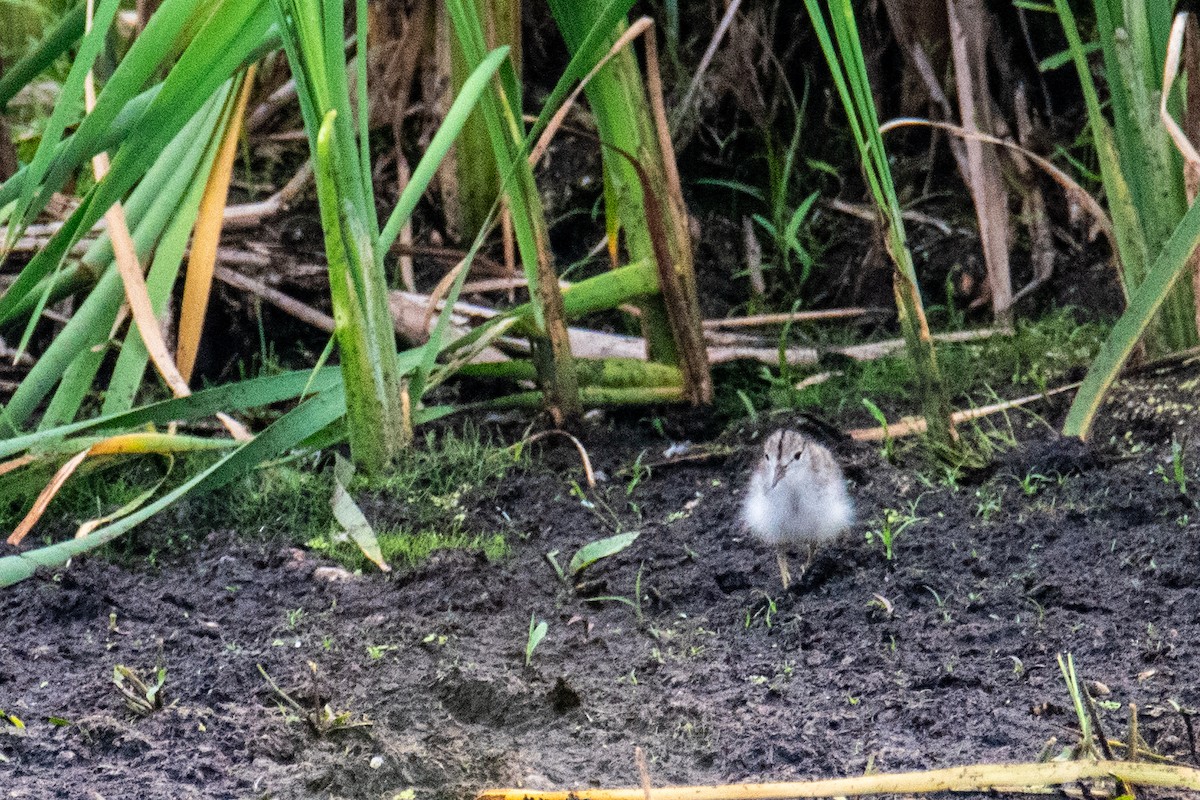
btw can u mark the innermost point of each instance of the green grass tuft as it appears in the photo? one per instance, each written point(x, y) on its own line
point(424, 504)
point(1039, 355)
point(401, 548)
point(446, 464)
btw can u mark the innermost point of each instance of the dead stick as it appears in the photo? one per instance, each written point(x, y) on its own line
point(1090, 704)
point(870, 214)
point(859, 352)
point(643, 770)
point(778, 319)
point(1131, 748)
point(291, 305)
point(684, 107)
point(448, 254)
point(248, 215)
point(1191, 731)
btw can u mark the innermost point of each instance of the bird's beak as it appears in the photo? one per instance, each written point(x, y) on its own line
point(777, 476)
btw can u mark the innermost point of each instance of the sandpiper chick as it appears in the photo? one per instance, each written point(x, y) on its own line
point(796, 495)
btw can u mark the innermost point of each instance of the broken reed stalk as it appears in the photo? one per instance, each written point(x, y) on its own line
point(969, 42)
point(500, 107)
point(378, 424)
point(642, 192)
point(911, 426)
point(978, 777)
point(378, 409)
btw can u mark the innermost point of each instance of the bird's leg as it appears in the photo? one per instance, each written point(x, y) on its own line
point(812, 554)
point(784, 572)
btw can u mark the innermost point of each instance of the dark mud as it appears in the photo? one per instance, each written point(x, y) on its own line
point(944, 655)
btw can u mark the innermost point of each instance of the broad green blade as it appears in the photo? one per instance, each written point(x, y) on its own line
point(67, 110)
point(285, 433)
point(1168, 267)
point(347, 513)
point(148, 210)
point(221, 46)
point(229, 398)
point(592, 552)
point(441, 143)
point(57, 41)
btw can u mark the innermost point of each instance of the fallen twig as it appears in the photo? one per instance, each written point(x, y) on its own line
point(871, 214)
point(249, 215)
point(282, 301)
point(800, 356)
point(779, 319)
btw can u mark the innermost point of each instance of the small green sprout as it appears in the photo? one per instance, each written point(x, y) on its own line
point(377, 651)
point(1178, 473)
point(892, 524)
point(141, 697)
point(1032, 483)
point(639, 472)
point(889, 448)
point(537, 632)
point(990, 502)
point(635, 603)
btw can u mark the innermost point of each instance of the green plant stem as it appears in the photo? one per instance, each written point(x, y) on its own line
point(613, 373)
point(642, 198)
point(595, 396)
point(502, 112)
point(849, 72)
point(378, 422)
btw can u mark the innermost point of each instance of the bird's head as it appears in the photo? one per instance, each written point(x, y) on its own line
point(781, 450)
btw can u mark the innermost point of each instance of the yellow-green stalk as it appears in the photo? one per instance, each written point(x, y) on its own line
point(849, 72)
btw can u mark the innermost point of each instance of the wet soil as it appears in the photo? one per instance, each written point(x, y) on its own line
point(944, 655)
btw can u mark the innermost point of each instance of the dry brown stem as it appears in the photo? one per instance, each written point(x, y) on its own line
point(583, 454)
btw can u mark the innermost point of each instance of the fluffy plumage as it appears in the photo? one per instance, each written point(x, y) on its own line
point(797, 495)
